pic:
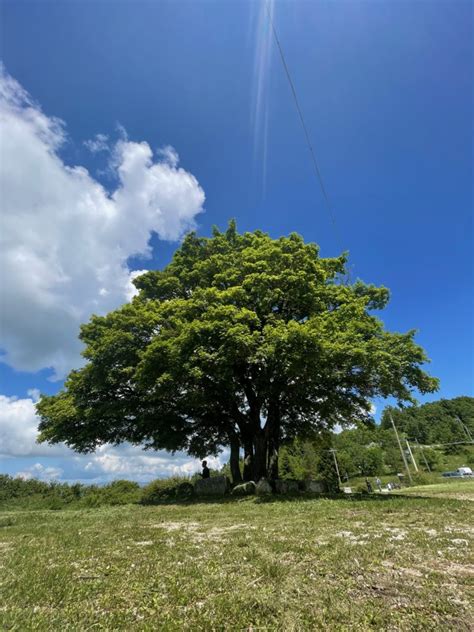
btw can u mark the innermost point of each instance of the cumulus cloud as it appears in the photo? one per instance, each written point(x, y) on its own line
point(18, 429)
point(18, 433)
point(128, 461)
point(169, 155)
point(131, 290)
point(41, 472)
point(65, 239)
point(17, 426)
point(99, 143)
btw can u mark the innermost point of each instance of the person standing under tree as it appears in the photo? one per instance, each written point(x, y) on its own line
point(206, 472)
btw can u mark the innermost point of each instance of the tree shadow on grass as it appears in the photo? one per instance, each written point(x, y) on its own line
point(271, 499)
point(291, 498)
point(351, 498)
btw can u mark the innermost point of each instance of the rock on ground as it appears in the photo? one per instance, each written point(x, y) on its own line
point(313, 486)
point(214, 486)
point(245, 489)
point(263, 487)
point(286, 486)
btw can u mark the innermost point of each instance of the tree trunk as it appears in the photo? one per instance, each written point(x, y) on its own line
point(273, 434)
point(234, 461)
point(248, 461)
point(273, 459)
point(260, 456)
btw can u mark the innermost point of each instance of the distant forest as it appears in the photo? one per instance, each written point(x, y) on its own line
point(372, 450)
point(441, 422)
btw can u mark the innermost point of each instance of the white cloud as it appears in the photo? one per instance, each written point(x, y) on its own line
point(169, 155)
point(18, 432)
point(132, 462)
point(34, 393)
point(99, 143)
point(65, 240)
point(131, 290)
point(18, 429)
point(17, 426)
point(40, 472)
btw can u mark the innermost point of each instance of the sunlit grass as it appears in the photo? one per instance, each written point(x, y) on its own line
point(395, 563)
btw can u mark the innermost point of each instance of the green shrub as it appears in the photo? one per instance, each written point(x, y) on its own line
point(433, 458)
point(54, 503)
point(161, 490)
point(470, 458)
point(119, 492)
point(38, 494)
point(92, 499)
point(11, 488)
point(420, 478)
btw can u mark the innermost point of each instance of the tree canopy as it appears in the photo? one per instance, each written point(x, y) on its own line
point(242, 341)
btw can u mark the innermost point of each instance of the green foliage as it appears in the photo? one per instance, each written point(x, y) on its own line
point(310, 459)
point(51, 494)
point(237, 328)
point(326, 466)
point(440, 422)
point(298, 460)
point(432, 457)
point(38, 494)
point(161, 490)
point(371, 450)
point(346, 463)
point(392, 460)
point(470, 458)
point(366, 451)
point(119, 492)
point(16, 487)
point(453, 448)
point(371, 461)
point(421, 478)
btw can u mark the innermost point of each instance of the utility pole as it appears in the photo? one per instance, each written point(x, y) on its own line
point(465, 428)
point(412, 457)
point(423, 455)
point(401, 449)
point(337, 466)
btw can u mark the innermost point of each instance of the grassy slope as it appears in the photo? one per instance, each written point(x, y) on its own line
point(448, 462)
point(459, 488)
point(396, 563)
point(433, 481)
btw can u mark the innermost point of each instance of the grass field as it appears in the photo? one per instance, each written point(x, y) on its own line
point(458, 488)
point(401, 562)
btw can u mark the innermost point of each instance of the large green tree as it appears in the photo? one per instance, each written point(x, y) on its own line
point(242, 341)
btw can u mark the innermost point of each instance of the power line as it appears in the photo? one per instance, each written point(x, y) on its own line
point(303, 125)
point(440, 445)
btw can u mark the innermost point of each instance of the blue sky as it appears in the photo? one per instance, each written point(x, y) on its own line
point(386, 90)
